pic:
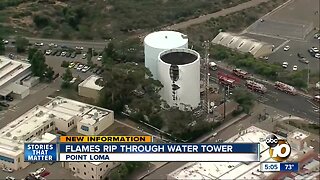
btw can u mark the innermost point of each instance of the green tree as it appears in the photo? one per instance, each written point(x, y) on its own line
point(41, 21)
point(244, 98)
point(89, 57)
point(49, 73)
point(31, 52)
point(38, 65)
point(67, 75)
point(120, 82)
point(2, 47)
point(21, 44)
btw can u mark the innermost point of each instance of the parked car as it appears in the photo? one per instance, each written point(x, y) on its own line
point(99, 58)
point(314, 49)
point(80, 66)
point(6, 169)
point(295, 68)
point(285, 64)
point(46, 173)
point(52, 45)
point(71, 65)
point(76, 66)
point(54, 52)
point(286, 48)
point(317, 55)
point(40, 170)
point(84, 56)
point(68, 54)
point(38, 44)
point(79, 48)
point(11, 56)
point(48, 52)
point(10, 178)
point(303, 60)
point(73, 55)
point(58, 53)
point(5, 41)
point(85, 69)
point(63, 53)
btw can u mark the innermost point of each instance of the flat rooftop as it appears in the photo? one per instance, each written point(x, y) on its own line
point(298, 135)
point(10, 68)
point(178, 57)
point(231, 170)
point(90, 82)
point(13, 135)
point(94, 116)
point(90, 114)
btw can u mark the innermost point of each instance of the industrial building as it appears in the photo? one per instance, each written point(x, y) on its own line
point(59, 114)
point(242, 170)
point(243, 44)
point(179, 72)
point(157, 42)
point(90, 87)
point(11, 74)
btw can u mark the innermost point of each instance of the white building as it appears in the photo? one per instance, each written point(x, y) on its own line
point(89, 120)
point(11, 72)
point(157, 42)
point(92, 170)
point(60, 113)
point(233, 170)
point(243, 44)
point(90, 88)
point(179, 72)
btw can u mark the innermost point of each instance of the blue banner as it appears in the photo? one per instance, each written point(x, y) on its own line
point(291, 167)
point(44, 152)
point(159, 148)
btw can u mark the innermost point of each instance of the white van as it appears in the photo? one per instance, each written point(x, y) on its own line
point(213, 66)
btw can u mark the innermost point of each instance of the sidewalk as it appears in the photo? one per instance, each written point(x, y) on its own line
point(229, 68)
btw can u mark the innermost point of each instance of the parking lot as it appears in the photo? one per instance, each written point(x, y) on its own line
point(294, 24)
point(56, 171)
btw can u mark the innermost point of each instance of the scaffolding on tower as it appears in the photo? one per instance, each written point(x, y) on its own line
point(206, 78)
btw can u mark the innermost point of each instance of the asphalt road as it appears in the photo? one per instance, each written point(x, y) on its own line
point(223, 12)
point(298, 105)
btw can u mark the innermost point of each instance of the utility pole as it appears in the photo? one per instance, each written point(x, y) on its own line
point(226, 92)
point(308, 80)
point(206, 103)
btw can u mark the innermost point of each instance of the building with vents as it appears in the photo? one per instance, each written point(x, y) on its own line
point(243, 44)
point(11, 73)
point(59, 114)
point(90, 87)
point(238, 170)
point(179, 73)
point(157, 42)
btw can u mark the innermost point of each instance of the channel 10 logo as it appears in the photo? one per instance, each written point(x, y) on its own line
point(279, 149)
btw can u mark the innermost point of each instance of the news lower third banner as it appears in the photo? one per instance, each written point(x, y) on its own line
point(121, 152)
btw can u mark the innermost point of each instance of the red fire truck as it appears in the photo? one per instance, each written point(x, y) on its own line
point(254, 86)
point(285, 88)
point(240, 73)
point(227, 80)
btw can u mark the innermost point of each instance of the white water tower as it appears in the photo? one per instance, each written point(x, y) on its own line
point(157, 42)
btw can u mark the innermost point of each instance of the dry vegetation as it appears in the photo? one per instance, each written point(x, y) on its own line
point(90, 19)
